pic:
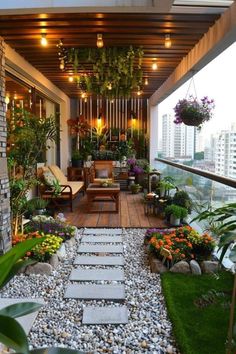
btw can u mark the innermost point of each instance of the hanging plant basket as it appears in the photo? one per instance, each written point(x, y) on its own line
point(191, 119)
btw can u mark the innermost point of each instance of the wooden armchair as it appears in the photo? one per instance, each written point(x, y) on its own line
point(68, 190)
point(102, 170)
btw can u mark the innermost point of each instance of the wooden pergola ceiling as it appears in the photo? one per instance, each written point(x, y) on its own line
point(23, 33)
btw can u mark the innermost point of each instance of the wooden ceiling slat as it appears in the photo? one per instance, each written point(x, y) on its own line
point(23, 32)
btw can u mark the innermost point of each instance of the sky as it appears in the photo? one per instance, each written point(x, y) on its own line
point(217, 80)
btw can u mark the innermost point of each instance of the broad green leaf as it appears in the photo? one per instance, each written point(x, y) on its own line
point(20, 309)
point(9, 259)
point(12, 335)
point(224, 250)
point(227, 238)
point(17, 266)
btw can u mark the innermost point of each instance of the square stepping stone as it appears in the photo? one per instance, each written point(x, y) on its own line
point(96, 292)
point(102, 239)
point(81, 274)
point(105, 315)
point(25, 321)
point(99, 260)
point(103, 232)
point(86, 248)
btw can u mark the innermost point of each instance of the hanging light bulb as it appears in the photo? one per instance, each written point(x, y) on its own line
point(83, 95)
point(139, 92)
point(70, 78)
point(146, 81)
point(99, 41)
point(167, 41)
point(154, 64)
point(109, 86)
point(85, 100)
point(43, 40)
point(7, 100)
point(15, 96)
point(62, 64)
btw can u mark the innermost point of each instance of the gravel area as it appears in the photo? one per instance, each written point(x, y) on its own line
point(59, 321)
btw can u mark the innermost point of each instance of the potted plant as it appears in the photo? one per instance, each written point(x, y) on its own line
point(182, 199)
point(115, 134)
point(36, 206)
point(77, 159)
point(135, 188)
point(192, 111)
point(176, 213)
point(165, 185)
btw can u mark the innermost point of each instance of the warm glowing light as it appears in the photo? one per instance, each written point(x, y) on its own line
point(139, 92)
point(15, 96)
point(44, 41)
point(109, 86)
point(167, 41)
point(62, 64)
point(83, 95)
point(100, 43)
point(71, 78)
point(112, 101)
point(154, 65)
point(85, 100)
point(146, 81)
point(7, 99)
point(30, 90)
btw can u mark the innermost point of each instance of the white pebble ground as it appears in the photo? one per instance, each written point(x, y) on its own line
point(59, 321)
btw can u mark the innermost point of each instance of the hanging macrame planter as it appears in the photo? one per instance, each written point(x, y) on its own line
point(191, 111)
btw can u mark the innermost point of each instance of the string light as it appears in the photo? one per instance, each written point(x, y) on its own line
point(139, 92)
point(154, 64)
point(100, 43)
point(62, 64)
point(167, 41)
point(44, 41)
point(146, 81)
point(71, 78)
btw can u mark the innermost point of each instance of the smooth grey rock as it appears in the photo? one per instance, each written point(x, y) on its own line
point(105, 315)
point(71, 242)
point(180, 267)
point(157, 266)
point(54, 260)
point(103, 232)
point(195, 267)
point(61, 252)
point(25, 321)
point(86, 248)
point(39, 268)
point(99, 260)
point(210, 266)
point(81, 274)
point(96, 292)
point(102, 239)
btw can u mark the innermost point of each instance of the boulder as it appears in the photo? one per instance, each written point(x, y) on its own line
point(61, 252)
point(195, 267)
point(180, 267)
point(157, 266)
point(71, 242)
point(39, 268)
point(54, 260)
point(210, 266)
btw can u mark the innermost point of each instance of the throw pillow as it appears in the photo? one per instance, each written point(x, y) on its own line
point(102, 173)
point(49, 178)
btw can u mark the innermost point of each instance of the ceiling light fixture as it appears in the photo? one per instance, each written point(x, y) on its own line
point(43, 40)
point(154, 64)
point(62, 64)
point(70, 78)
point(100, 43)
point(146, 81)
point(167, 41)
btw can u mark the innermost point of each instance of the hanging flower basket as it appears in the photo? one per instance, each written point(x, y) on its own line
point(193, 112)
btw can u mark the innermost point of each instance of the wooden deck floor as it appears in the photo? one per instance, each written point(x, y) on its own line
point(131, 214)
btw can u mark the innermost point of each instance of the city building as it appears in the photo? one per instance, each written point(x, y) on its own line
point(225, 153)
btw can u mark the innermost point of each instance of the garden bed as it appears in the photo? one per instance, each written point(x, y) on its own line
point(200, 318)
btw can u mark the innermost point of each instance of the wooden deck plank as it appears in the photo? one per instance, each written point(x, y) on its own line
point(131, 214)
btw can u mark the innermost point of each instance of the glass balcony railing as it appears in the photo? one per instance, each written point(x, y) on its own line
point(205, 189)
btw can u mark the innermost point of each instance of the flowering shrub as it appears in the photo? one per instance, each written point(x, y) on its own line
point(43, 251)
point(191, 108)
point(49, 225)
point(178, 244)
point(134, 167)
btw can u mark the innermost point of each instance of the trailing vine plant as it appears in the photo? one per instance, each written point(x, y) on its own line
point(109, 72)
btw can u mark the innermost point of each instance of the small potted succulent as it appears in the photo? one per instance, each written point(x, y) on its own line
point(36, 206)
point(193, 112)
point(176, 213)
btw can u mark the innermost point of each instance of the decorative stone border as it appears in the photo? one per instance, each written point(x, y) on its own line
point(182, 267)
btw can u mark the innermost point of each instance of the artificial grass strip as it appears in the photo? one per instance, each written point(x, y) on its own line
point(198, 330)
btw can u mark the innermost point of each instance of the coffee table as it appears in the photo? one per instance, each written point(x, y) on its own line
point(97, 193)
